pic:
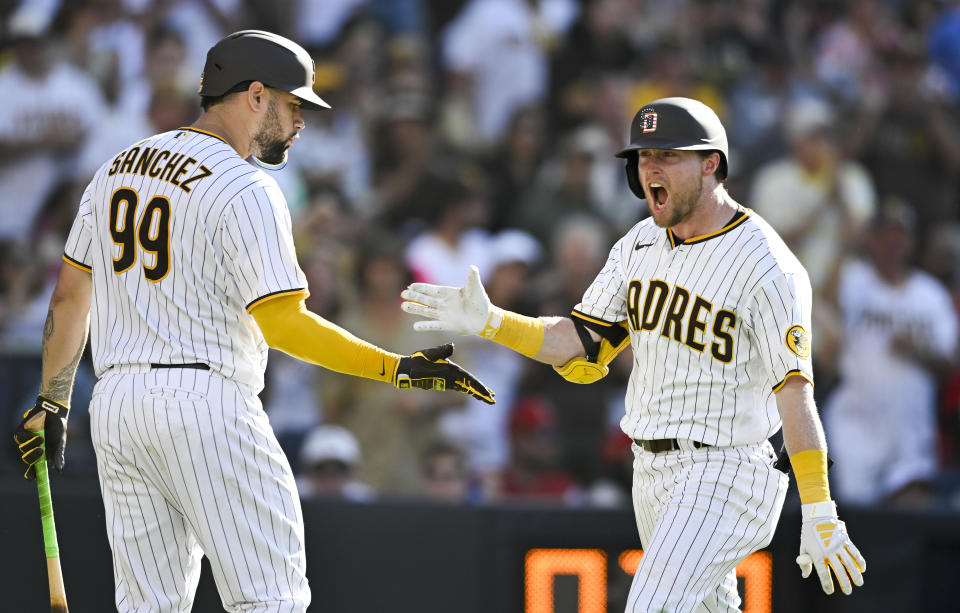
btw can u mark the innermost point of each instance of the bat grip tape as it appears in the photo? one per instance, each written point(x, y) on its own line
point(46, 506)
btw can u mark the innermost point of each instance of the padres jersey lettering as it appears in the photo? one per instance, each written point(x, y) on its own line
point(183, 191)
point(717, 324)
point(687, 319)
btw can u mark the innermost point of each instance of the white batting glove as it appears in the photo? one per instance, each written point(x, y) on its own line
point(826, 546)
point(462, 310)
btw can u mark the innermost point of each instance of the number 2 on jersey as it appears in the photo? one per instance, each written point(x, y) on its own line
point(152, 233)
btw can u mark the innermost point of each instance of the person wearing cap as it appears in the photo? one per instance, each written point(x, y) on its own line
point(328, 464)
point(900, 338)
point(717, 312)
point(181, 261)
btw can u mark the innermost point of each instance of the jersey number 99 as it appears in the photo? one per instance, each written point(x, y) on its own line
point(152, 233)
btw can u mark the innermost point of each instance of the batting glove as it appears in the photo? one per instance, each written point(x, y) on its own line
point(461, 310)
point(429, 369)
point(53, 428)
point(826, 546)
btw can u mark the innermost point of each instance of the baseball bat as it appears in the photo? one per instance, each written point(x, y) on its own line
point(58, 595)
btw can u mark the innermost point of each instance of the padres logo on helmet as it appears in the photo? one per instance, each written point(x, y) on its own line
point(798, 341)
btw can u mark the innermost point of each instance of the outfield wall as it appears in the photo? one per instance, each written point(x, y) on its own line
point(416, 558)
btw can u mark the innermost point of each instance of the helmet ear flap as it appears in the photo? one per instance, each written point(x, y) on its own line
point(633, 177)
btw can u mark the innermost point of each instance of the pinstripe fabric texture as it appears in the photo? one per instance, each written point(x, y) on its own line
point(699, 513)
point(230, 244)
point(189, 465)
point(717, 324)
point(676, 389)
point(182, 237)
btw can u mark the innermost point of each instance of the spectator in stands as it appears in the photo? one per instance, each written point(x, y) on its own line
point(759, 99)
point(49, 109)
point(494, 53)
point(567, 186)
point(455, 237)
point(908, 137)
point(444, 473)
point(534, 473)
point(900, 337)
point(599, 41)
point(845, 55)
point(513, 167)
point(578, 250)
point(819, 202)
point(328, 462)
point(407, 169)
point(669, 73)
point(164, 68)
point(391, 429)
point(613, 486)
point(478, 428)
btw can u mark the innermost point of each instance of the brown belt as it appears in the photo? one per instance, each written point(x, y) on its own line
point(666, 444)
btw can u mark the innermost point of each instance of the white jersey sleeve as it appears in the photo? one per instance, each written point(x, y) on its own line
point(779, 315)
point(606, 298)
point(78, 250)
point(257, 241)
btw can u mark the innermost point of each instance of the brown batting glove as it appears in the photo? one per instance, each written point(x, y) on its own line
point(429, 369)
point(53, 429)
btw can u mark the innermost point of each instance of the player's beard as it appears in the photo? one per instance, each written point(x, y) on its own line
point(270, 142)
point(680, 207)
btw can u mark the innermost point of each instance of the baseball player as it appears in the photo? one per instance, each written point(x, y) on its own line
point(717, 311)
point(181, 260)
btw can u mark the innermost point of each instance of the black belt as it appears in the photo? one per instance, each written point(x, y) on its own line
point(666, 444)
point(197, 365)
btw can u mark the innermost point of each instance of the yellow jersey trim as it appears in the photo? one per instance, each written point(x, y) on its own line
point(738, 219)
point(199, 131)
point(792, 373)
point(593, 320)
point(76, 264)
point(280, 294)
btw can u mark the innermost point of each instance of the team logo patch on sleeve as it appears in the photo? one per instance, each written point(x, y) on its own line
point(798, 341)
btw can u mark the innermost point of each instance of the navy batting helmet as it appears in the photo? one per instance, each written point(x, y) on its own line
point(255, 55)
point(674, 123)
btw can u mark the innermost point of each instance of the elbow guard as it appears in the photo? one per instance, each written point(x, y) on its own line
point(582, 370)
point(594, 366)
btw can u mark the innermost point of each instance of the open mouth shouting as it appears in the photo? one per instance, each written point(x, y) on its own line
point(658, 196)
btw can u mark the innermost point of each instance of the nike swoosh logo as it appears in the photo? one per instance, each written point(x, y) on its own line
point(383, 368)
point(639, 247)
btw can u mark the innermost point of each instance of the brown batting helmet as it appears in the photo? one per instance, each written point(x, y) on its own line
point(674, 123)
point(255, 55)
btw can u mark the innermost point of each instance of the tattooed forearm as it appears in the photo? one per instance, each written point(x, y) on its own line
point(60, 385)
point(57, 384)
point(48, 326)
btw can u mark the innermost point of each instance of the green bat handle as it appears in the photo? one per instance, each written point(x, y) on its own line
point(58, 595)
point(46, 505)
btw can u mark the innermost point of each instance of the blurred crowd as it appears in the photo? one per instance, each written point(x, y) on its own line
point(482, 132)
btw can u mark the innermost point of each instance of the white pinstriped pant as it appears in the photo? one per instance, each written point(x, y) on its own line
point(189, 465)
point(700, 512)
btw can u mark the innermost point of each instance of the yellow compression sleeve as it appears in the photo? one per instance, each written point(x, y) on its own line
point(810, 467)
point(287, 325)
point(518, 332)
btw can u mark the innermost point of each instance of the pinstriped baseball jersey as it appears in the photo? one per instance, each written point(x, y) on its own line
point(717, 324)
point(183, 237)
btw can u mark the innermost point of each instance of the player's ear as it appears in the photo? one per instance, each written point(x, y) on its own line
point(257, 96)
point(710, 163)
